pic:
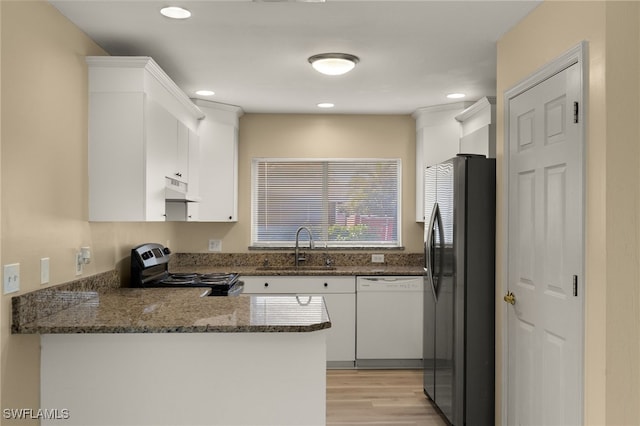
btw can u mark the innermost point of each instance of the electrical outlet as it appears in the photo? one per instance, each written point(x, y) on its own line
point(377, 258)
point(11, 278)
point(215, 245)
point(79, 264)
point(44, 270)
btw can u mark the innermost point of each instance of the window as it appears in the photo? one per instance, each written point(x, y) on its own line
point(344, 202)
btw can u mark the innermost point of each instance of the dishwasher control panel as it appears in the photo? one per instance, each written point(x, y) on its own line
point(380, 284)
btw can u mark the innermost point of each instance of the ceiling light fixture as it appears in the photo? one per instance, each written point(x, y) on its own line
point(333, 63)
point(175, 12)
point(205, 92)
point(456, 95)
point(325, 105)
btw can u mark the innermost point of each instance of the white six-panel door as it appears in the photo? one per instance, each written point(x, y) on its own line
point(545, 254)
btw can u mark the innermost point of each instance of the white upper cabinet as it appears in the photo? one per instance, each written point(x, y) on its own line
point(444, 131)
point(437, 140)
point(218, 162)
point(478, 130)
point(140, 127)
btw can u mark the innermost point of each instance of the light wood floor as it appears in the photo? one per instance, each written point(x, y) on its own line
point(378, 397)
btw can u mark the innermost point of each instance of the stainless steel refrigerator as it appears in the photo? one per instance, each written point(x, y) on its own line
point(459, 279)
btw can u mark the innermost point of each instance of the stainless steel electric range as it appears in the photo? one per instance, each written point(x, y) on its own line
point(150, 268)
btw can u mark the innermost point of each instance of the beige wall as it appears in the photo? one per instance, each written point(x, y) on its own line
point(612, 307)
point(320, 136)
point(44, 174)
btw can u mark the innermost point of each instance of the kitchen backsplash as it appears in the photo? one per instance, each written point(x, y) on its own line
point(314, 258)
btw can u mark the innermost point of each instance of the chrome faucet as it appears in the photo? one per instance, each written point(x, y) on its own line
point(297, 251)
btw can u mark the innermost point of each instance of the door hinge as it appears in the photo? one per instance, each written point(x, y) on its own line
point(575, 285)
point(575, 112)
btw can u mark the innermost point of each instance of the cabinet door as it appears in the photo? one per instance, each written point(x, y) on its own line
point(193, 164)
point(161, 134)
point(180, 170)
point(116, 157)
point(218, 185)
point(341, 337)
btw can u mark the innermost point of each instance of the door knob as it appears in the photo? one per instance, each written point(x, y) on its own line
point(510, 298)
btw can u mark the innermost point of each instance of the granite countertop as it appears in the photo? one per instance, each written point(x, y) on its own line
point(164, 310)
point(99, 304)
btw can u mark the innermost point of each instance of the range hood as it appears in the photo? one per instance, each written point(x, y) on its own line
point(176, 190)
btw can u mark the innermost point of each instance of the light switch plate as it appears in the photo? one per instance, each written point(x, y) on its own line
point(11, 278)
point(44, 270)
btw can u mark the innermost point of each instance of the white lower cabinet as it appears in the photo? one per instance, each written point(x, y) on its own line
point(339, 294)
point(168, 379)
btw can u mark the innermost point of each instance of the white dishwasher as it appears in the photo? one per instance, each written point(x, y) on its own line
point(389, 321)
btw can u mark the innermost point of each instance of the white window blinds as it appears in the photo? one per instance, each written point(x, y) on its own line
point(345, 202)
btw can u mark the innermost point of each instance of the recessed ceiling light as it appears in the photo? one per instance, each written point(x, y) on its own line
point(325, 105)
point(456, 95)
point(205, 93)
point(175, 12)
point(333, 63)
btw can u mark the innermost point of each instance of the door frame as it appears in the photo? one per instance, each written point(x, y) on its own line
point(575, 55)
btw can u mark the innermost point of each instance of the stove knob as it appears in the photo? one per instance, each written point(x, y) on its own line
point(146, 255)
point(166, 250)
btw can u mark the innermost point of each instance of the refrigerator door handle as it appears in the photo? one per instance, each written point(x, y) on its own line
point(428, 245)
point(438, 221)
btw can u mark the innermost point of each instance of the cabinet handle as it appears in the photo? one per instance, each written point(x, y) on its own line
point(266, 284)
point(301, 303)
point(179, 174)
point(326, 284)
point(230, 217)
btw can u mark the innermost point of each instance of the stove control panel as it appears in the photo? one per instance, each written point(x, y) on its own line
point(150, 254)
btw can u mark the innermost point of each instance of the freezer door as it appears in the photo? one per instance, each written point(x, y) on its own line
point(445, 335)
point(429, 310)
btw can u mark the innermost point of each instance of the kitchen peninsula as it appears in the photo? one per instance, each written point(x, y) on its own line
point(129, 356)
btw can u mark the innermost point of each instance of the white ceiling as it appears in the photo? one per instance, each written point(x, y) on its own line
point(254, 54)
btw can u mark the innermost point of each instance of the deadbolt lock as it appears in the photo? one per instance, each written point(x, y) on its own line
point(510, 298)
